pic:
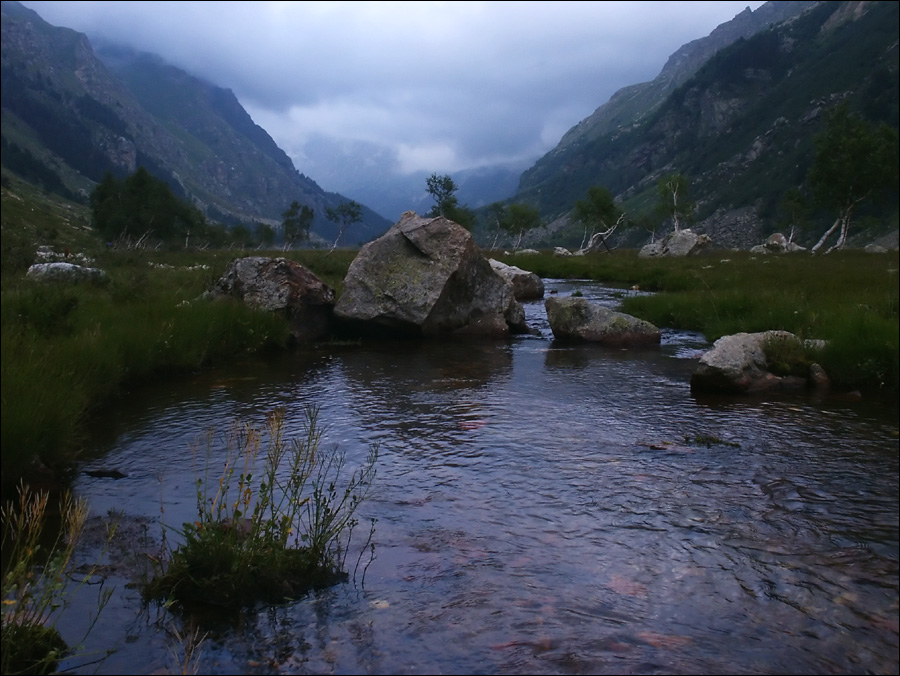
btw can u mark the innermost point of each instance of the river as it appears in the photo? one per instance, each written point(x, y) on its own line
point(542, 508)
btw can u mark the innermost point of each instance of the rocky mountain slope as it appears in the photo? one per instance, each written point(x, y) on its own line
point(739, 126)
point(634, 103)
point(69, 116)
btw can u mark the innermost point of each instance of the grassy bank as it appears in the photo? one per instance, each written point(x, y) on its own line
point(847, 298)
point(67, 349)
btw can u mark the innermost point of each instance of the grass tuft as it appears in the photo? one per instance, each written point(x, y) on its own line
point(37, 569)
point(273, 523)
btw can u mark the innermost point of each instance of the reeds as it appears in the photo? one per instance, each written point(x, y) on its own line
point(275, 518)
point(37, 574)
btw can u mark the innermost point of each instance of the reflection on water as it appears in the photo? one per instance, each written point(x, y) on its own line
point(542, 508)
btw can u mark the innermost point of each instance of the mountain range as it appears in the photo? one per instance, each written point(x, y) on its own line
point(71, 112)
point(735, 112)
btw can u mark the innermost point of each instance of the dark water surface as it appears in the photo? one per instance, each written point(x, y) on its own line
point(541, 509)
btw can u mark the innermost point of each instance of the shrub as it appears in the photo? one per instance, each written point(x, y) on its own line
point(268, 538)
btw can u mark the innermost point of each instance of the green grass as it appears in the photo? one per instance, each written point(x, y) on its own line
point(847, 298)
point(68, 348)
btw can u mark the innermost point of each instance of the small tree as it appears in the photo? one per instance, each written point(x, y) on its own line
point(442, 189)
point(519, 219)
point(854, 160)
point(241, 236)
point(496, 213)
point(599, 213)
point(344, 215)
point(143, 207)
point(673, 199)
point(446, 204)
point(297, 222)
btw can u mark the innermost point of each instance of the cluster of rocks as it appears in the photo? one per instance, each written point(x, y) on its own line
point(426, 278)
point(777, 244)
point(679, 243)
point(65, 272)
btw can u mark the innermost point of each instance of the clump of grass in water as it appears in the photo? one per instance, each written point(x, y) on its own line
point(35, 582)
point(708, 440)
point(271, 538)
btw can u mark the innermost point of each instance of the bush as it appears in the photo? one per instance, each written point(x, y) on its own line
point(267, 538)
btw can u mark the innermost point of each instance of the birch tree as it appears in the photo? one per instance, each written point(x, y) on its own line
point(854, 161)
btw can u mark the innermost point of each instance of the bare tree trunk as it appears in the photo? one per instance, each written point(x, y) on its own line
point(818, 245)
point(340, 234)
point(585, 241)
point(842, 238)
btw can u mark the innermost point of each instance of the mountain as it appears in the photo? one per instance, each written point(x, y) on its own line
point(631, 104)
point(370, 173)
point(738, 121)
point(70, 114)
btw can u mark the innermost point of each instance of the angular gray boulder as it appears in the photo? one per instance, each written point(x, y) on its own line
point(578, 318)
point(280, 285)
point(427, 277)
point(65, 272)
point(526, 285)
point(776, 244)
point(677, 244)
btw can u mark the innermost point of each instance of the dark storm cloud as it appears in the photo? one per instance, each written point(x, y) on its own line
point(440, 85)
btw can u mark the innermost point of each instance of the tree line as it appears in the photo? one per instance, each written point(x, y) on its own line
point(143, 210)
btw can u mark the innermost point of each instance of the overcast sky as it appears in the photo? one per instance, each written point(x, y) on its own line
point(437, 86)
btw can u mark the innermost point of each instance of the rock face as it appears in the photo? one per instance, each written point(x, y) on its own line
point(65, 272)
point(578, 318)
point(681, 243)
point(427, 277)
point(737, 363)
point(526, 285)
point(280, 285)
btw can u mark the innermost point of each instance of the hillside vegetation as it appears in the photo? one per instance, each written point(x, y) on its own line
point(740, 129)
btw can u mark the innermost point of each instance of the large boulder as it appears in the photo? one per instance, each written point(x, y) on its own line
point(526, 285)
point(283, 286)
point(577, 318)
point(738, 364)
point(65, 272)
point(427, 277)
point(679, 243)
